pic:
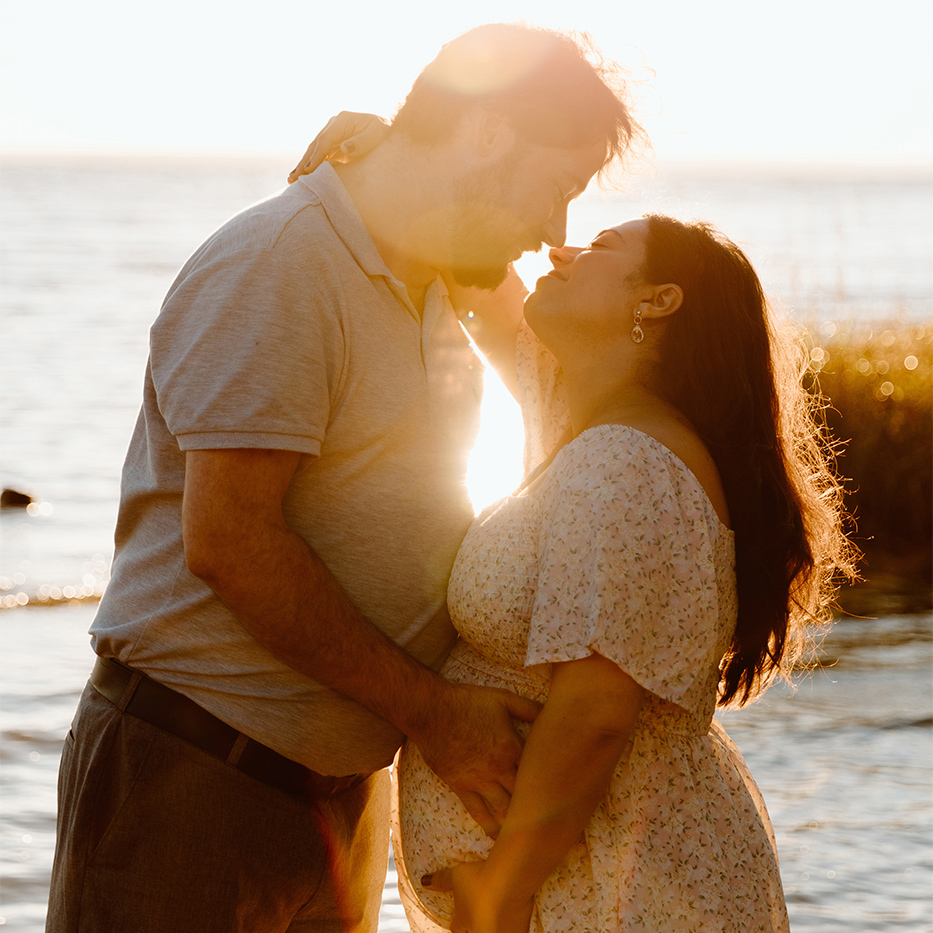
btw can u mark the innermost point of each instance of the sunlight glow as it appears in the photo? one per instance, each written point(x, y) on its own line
point(479, 66)
point(496, 461)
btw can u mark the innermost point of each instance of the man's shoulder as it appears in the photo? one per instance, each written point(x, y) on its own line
point(289, 219)
point(288, 235)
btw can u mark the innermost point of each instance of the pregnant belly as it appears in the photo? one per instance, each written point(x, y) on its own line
point(433, 824)
point(434, 831)
point(466, 665)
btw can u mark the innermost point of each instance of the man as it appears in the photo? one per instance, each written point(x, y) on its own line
point(292, 502)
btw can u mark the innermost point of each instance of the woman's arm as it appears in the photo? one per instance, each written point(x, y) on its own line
point(347, 136)
point(492, 319)
point(570, 756)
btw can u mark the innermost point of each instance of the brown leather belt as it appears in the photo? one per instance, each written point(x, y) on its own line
point(139, 695)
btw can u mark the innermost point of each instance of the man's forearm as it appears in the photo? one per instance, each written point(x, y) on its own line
point(238, 542)
point(300, 613)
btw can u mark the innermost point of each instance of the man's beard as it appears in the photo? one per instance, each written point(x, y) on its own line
point(478, 229)
point(489, 278)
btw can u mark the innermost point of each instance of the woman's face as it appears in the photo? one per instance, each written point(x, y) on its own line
point(591, 292)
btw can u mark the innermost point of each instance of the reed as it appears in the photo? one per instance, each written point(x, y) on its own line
point(877, 383)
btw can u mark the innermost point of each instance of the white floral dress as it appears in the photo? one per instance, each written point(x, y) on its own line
point(617, 551)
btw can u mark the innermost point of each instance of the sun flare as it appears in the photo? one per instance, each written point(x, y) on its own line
point(495, 467)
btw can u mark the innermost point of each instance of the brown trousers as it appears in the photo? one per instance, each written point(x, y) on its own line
point(154, 834)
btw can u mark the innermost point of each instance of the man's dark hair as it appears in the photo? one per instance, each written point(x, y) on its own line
point(542, 81)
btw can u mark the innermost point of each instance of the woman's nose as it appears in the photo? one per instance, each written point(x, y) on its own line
point(560, 255)
point(563, 255)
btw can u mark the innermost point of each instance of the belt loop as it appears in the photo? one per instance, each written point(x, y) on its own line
point(233, 759)
point(129, 691)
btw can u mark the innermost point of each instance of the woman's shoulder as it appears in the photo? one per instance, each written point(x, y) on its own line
point(638, 456)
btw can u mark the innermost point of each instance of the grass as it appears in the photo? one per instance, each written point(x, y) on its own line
point(878, 381)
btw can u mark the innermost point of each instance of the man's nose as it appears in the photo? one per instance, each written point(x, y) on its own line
point(555, 230)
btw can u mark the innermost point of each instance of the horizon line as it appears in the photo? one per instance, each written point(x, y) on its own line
point(731, 160)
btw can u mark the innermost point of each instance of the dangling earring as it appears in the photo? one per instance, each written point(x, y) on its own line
point(637, 333)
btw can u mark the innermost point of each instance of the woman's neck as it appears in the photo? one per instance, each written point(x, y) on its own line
point(597, 399)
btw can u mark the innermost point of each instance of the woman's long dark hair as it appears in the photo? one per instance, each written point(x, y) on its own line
point(738, 379)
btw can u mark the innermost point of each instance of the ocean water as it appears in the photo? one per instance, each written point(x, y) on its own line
point(88, 248)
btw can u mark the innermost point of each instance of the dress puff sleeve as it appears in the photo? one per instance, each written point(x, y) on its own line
point(626, 563)
point(542, 396)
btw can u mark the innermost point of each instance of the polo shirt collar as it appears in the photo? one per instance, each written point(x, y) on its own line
point(326, 186)
point(345, 219)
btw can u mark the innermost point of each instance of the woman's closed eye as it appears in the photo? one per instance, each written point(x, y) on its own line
point(607, 239)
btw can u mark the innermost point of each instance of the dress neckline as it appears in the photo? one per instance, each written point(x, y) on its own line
point(539, 474)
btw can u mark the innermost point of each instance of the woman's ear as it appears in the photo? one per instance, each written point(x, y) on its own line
point(664, 301)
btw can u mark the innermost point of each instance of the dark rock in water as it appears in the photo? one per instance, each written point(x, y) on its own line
point(14, 499)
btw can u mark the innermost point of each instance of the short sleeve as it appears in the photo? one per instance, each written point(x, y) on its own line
point(627, 568)
point(245, 353)
point(542, 396)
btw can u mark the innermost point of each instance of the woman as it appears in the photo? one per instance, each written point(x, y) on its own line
point(667, 556)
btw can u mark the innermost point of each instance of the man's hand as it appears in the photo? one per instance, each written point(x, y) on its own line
point(471, 743)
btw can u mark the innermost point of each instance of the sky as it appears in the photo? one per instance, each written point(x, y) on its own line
point(829, 80)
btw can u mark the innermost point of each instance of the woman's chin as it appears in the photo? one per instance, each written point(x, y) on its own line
point(530, 305)
point(534, 315)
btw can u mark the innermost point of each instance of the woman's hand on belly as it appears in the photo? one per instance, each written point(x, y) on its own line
point(477, 909)
point(570, 755)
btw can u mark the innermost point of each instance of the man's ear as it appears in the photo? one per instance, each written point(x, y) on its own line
point(664, 301)
point(493, 135)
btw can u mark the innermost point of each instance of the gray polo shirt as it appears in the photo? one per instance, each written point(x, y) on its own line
point(285, 330)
